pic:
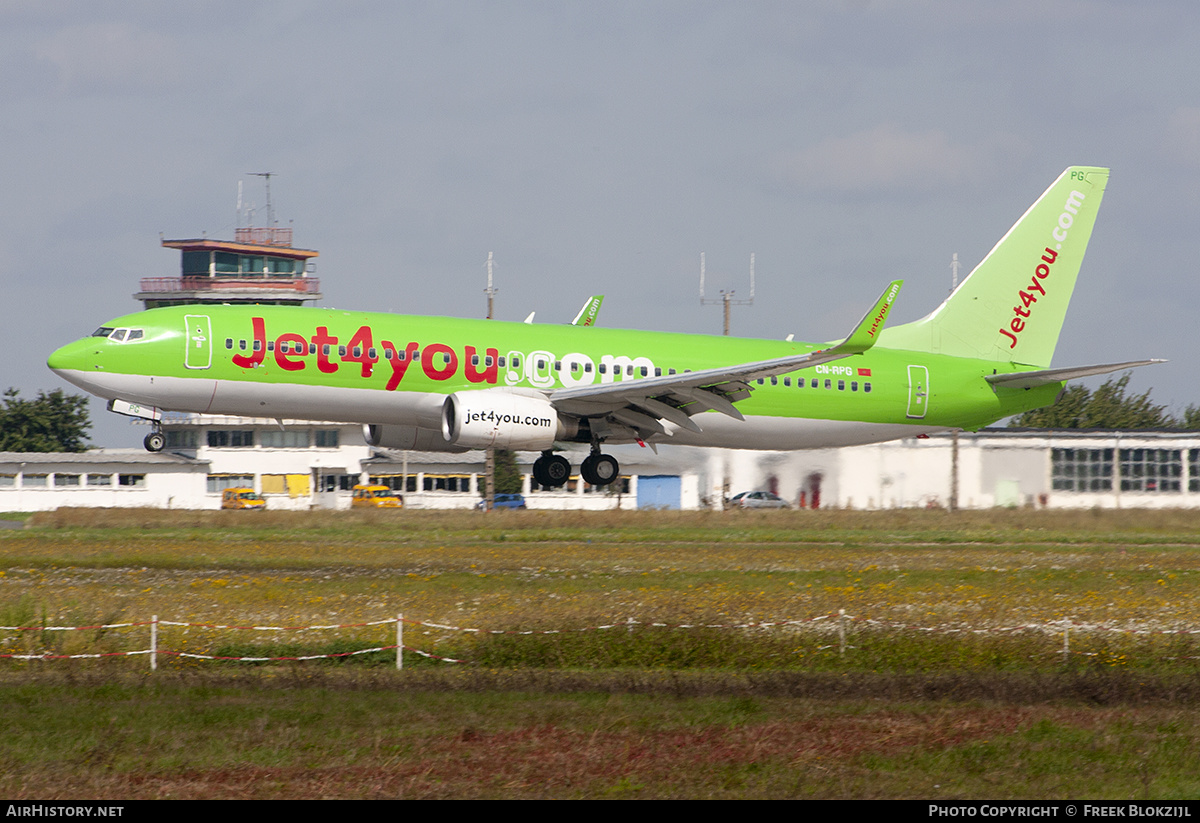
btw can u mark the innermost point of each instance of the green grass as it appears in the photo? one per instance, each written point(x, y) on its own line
point(636, 710)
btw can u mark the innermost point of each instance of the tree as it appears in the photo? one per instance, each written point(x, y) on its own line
point(54, 422)
point(1109, 407)
point(508, 475)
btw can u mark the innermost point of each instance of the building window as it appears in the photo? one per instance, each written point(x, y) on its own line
point(395, 482)
point(99, 479)
point(325, 438)
point(337, 482)
point(447, 483)
point(293, 485)
point(35, 481)
point(63, 480)
point(1151, 470)
point(218, 483)
point(182, 439)
point(1081, 470)
point(230, 439)
point(1194, 470)
point(8, 481)
point(275, 439)
point(132, 481)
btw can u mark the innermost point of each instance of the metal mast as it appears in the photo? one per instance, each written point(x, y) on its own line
point(726, 299)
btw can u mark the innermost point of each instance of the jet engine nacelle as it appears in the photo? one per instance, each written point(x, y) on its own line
point(501, 419)
point(408, 437)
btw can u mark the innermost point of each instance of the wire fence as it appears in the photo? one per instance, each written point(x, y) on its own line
point(839, 625)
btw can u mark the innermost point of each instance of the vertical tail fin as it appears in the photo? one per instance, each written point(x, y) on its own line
point(1011, 307)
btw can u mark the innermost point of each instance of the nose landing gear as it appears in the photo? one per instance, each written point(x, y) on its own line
point(154, 441)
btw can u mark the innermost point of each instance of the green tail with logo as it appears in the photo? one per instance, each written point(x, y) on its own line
point(1012, 306)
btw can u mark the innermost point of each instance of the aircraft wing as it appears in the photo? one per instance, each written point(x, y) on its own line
point(1042, 377)
point(642, 403)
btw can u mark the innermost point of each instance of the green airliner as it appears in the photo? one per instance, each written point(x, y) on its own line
point(449, 384)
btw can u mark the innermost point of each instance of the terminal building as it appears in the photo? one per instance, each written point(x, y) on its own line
point(304, 465)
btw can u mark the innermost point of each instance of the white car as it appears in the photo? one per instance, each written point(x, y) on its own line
point(758, 500)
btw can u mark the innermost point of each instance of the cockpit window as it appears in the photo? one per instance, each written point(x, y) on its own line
point(119, 335)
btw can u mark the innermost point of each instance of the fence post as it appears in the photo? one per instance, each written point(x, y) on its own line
point(154, 642)
point(400, 641)
point(842, 632)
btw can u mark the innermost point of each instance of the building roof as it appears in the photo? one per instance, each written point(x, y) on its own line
point(132, 457)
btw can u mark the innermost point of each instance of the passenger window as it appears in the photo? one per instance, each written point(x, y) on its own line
point(774, 381)
point(645, 371)
point(828, 383)
point(866, 387)
point(853, 385)
point(242, 345)
point(841, 385)
point(229, 342)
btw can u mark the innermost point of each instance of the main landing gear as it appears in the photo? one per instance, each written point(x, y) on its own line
point(553, 470)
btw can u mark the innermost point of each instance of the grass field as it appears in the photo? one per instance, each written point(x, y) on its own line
point(951, 679)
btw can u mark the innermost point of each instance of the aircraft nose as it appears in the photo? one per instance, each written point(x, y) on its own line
point(73, 357)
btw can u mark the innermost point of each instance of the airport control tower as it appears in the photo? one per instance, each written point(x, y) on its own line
point(259, 266)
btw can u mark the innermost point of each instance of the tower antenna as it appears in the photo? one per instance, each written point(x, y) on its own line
point(726, 298)
point(267, 175)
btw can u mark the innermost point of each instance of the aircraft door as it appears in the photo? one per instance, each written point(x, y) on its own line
point(198, 334)
point(918, 391)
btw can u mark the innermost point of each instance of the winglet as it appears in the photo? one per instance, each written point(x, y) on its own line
point(587, 315)
point(867, 331)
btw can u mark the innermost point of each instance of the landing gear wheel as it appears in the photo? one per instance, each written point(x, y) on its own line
point(600, 469)
point(551, 471)
point(154, 441)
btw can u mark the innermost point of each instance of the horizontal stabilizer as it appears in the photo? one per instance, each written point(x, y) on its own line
point(1043, 377)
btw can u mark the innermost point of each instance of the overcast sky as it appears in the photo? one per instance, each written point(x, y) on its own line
point(599, 147)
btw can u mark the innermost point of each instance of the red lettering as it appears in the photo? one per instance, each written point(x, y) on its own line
point(358, 350)
point(429, 362)
point(1017, 325)
point(281, 354)
point(1034, 285)
point(259, 346)
point(488, 375)
point(1020, 311)
point(1010, 336)
point(321, 340)
point(1050, 256)
point(1027, 298)
point(399, 364)
point(1042, 271)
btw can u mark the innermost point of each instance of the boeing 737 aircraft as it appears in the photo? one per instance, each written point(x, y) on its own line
point(447, 384)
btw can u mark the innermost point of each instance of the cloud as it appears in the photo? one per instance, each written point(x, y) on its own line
point(100, 56)
point(1183, 136)
point(887, 156)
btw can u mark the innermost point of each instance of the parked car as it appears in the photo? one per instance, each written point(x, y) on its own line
point(375, 497)
point(758, 500)
point(504, 501)
point(243, 499)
